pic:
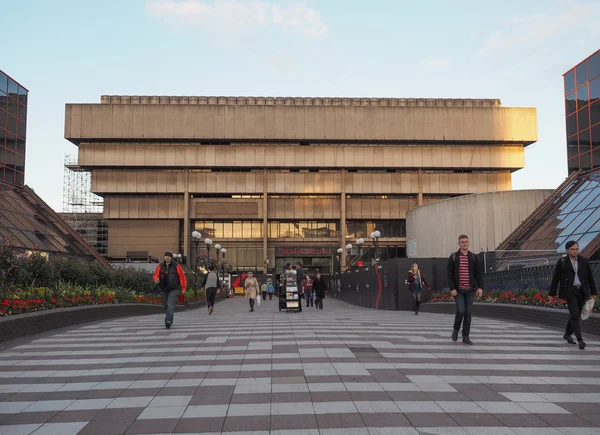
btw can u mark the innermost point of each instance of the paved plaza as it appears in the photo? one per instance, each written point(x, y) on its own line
point(344, 370)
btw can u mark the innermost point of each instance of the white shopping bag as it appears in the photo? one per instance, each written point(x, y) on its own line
point(258, 300)
point(587, 309)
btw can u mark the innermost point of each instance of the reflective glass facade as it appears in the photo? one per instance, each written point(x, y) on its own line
point(573, 213)
point(13, 126)
point(30, 224)
point(582, 108)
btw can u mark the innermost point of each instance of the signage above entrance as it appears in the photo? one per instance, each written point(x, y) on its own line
point(303, 252)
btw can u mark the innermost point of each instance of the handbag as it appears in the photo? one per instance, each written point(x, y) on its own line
point(587, 309)
point(258, 299)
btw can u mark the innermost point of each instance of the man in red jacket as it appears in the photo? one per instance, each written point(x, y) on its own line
point(169, 277)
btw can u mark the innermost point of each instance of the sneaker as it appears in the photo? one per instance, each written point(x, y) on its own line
point(168, 325)
point(467, 340)
point(455, 335)
point(210, 311)
point(569, 339)
point(581, 344)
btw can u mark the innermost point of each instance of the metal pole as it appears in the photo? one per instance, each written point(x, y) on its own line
point(196, 269)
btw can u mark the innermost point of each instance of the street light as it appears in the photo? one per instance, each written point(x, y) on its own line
point(179, 258)
point(348, 248)
point(375, 235)
point(360, 242)
point(223, 251)
point(208, 243)
point(218, 249)
point(196, 237)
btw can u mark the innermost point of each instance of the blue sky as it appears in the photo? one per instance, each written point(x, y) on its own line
point(74, 51)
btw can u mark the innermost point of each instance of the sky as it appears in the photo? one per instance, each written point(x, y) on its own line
point(74, 51)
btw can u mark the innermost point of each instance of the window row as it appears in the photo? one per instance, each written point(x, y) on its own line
point(230, 229)
point(303, 229)
point(10, 123)
point(9, 175)
point(12, 160)
point(581, 98)
point(585, 71)
point(14, 108)
point(583, 119)
point(9, 87)
point(387, 228)
point(16, 145)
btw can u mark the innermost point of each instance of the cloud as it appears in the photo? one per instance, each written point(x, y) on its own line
point(239, 15)
point(531, 32)
point(437, 62)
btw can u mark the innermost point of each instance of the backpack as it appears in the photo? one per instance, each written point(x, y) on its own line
point(271, 288)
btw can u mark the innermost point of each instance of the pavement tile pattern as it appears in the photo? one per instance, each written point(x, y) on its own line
point(343, 370)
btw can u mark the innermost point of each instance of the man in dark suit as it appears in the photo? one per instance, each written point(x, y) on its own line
point(575, 283)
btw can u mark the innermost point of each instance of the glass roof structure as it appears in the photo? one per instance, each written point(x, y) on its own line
point(572, 212)
point(30, 224)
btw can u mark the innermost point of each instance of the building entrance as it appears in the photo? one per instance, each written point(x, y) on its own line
point(313, 259)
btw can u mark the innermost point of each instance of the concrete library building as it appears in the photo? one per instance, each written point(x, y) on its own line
point(276, 180)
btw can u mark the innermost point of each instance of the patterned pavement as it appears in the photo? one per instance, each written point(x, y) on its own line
point(344, 370)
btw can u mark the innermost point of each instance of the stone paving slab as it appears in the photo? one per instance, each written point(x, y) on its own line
point(343, 370)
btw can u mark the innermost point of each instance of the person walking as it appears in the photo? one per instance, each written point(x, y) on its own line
point(416, 283)
point(263, 289)
point(574, 282)
point(170, 277)
point(251, 287)
point(465, 280)
point(211, 284)
point(299, 280)
point(270, 288)
point(320, 287)
point(307, 288)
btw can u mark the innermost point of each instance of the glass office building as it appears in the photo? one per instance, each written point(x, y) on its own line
point(13, 127)
point(582, 106)
point(572, 212)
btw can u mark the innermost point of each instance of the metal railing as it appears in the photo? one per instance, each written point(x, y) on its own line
point(519, 279)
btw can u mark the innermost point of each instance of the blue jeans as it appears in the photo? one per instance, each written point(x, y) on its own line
point(169, 299)
point(464, 306)
point(309, 298)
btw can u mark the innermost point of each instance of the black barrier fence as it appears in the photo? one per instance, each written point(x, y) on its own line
point(383, 286)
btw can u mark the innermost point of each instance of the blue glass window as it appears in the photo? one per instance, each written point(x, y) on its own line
point(569, 81)
point(581, 73)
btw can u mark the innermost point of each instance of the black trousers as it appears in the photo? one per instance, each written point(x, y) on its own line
point(319, 303)
point(211, 294)
point(575, 304)
point(251, 303)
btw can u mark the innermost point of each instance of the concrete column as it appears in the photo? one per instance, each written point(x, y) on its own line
point(343, 219)
point(186, 214)
point(420, 183)
point(265, 222)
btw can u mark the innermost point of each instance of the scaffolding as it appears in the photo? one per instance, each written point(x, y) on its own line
point(82, 209)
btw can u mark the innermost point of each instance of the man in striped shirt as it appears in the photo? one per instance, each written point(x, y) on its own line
point(465, 280)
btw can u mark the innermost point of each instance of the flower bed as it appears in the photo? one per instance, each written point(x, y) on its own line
point(42, 300)
point(530, 296)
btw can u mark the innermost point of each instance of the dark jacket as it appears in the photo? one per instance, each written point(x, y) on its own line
point(564, 276)
point(299, 277)
point(320, 286)
point(411, 281)
point(475, 272)
point(170, 277)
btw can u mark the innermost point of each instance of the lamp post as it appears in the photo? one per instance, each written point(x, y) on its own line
point(348, 248)
point(208, 243)
point(223, 251)
point(375, 235)
point(339, 258)
point(179, 260)
point(218, 250)
point(196, 238)
point(360, 242)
